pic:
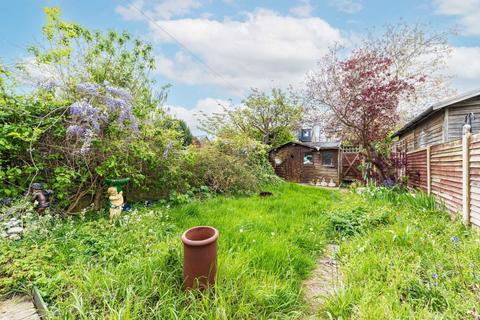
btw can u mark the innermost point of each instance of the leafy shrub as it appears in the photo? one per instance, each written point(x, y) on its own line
point(221, 172)
point(358, 220)
point(236, 165)
point(96, 117)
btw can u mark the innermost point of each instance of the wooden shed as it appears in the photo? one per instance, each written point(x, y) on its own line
point(441, 122)
point(307, 162)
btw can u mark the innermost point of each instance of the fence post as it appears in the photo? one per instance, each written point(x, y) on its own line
point(466, 178)
point(429, 171)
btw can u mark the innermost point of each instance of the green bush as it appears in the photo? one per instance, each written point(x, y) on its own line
point(236, 165)
point(221, 172)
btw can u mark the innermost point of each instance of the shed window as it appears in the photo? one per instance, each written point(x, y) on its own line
point(327, 158)
point(308, 158)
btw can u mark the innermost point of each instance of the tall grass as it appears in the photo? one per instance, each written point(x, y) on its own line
point(396, 254)
point(421, 265)
point(88, 269)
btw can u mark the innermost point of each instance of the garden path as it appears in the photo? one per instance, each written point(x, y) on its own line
point(325, 279)
point(18, 308)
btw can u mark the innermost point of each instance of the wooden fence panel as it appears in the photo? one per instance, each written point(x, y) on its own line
point(446, 174)
point(416, 169)
point(474, 165)
point(451, 172)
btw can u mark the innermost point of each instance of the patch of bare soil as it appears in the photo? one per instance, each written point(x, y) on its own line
point(324, 281)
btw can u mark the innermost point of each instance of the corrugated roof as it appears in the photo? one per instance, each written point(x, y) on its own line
point(437, 107)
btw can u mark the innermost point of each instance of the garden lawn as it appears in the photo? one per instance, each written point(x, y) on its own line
point(391, 248)
point(421, 265)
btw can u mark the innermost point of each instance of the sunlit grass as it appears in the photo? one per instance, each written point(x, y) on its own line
point(410, 268)
point(267, 246)
point(391, 246)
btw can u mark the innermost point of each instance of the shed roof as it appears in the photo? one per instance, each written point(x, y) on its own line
point(324, 145)
point(437, 107)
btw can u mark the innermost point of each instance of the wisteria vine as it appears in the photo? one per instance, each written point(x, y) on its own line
point(99, 105)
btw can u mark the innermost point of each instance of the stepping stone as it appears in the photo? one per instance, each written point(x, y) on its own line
point(18, 308)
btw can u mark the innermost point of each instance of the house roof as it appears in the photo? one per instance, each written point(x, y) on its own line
point(313, 145)
point(435, 108)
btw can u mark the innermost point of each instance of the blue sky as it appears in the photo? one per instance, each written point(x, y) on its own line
point(244, 44)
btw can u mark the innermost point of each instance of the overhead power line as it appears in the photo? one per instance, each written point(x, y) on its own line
point(183, 46)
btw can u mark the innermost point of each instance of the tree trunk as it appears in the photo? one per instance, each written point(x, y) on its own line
point(97, 202)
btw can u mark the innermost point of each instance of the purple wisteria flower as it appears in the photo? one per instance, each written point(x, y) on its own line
point(87, 88)
point(117, 91)
point(87, 142)
point(75, 131)
point(118, 101)
point(115, 104)
point(98, 109)
point(88, 115)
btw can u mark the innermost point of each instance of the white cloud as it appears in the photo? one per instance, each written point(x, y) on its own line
point(130, 13)
point(164, 9)
point(207, 106)
point(303, 9)
point(348, 6)
point(468, 12)
point(464, 65)
point(253, 52)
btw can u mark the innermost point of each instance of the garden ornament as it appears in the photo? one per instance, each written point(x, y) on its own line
point(148, 203)
point(115, 196)
point(115, 202)
point(318, 184)
point(467, 127)
point(331, 183)
point(388, 182)
point(324, 183)
point(40, 197)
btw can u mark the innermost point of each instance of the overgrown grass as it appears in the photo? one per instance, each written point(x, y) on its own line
point(421, 265)
point(391, 246)
point(87, 269)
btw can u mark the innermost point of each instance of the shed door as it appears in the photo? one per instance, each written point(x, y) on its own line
point(293, 166)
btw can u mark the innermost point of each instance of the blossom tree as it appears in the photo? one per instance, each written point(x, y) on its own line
point(415, 49)
point(387, 78)
point(359, 96)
